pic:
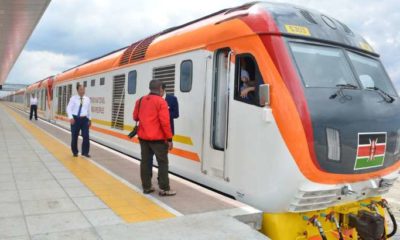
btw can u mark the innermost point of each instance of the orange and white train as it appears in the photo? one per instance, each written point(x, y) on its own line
point(314, 144)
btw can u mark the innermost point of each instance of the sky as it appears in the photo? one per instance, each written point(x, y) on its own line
point(73, 31)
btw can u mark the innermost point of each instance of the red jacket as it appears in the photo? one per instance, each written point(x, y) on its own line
point(153, 117)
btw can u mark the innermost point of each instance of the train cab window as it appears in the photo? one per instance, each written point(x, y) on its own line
point(132, 81)
point(93, 82)
point(102, 81)
point(85, 83)
point(247, 79)
point(371, 73)
point(186, 75)
point(321, 66)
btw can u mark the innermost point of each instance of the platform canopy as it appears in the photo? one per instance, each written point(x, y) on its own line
point(18, 19)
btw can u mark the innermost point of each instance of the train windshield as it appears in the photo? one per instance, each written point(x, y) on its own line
point(321, 66)
point(371, 73)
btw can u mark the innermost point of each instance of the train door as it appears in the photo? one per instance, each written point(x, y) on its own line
point(216, 114)
point(42, 99)
point(64, 101)
point(45, 100)
point(254, 139)
point(56, 103)
point(27, 99)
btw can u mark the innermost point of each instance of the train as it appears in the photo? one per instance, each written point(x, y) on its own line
point(314, 144)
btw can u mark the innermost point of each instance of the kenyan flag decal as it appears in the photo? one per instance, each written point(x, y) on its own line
point(371, 150)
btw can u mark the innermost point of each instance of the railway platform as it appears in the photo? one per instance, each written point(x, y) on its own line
point(45, 193)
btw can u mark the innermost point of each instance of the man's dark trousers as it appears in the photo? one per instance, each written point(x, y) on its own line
point(160, 149)
point(33, 110)
point(81, 124)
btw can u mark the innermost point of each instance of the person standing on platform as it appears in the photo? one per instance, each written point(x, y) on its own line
point(33, 103)
point(78, 111)
point(173, 108)
point(155, 135)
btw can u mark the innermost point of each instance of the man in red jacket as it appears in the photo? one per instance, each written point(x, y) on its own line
point(151, 111)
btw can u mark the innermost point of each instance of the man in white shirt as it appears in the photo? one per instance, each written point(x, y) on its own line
point(78, 111)
point(33, 103)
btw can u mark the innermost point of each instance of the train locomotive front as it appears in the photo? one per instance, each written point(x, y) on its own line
point(349, 111)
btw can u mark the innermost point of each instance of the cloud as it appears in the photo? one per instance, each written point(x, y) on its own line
point(93, 27)
point(71, 32)
point(84, 29)
point(36, 65)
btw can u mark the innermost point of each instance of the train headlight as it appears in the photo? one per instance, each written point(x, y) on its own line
point(333, 141)
point(397, 147)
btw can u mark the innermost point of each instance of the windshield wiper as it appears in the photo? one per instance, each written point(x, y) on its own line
point(339, 92)
point(383, 94)
point(347, 85)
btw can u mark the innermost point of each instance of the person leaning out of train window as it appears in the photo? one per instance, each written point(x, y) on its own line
point(246, 84)
point(33, 110)
point(78, 111)
point(155, 135)
point(173, 108)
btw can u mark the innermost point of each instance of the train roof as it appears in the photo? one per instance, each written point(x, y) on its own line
point(20, 91)
point(318, 26)
point(40, 84)
point(33, 86)
point(261, 17)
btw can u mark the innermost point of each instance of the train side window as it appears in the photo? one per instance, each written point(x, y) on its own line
point(85, 83)
point(102, 81)
point(186, 76)
point(132, 81)
point(93, 82)
point(247, 79)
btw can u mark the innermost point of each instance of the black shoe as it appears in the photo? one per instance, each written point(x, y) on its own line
point(75, 155)
point(86, 155)
point(148, 191)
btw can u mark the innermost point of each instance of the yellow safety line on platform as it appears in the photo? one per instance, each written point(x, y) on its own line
point(130, 205)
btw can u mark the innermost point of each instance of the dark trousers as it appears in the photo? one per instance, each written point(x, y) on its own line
point(160, 149)
point(33, 110)
point(151, 157)
point(150, 163)
point(81, 125)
